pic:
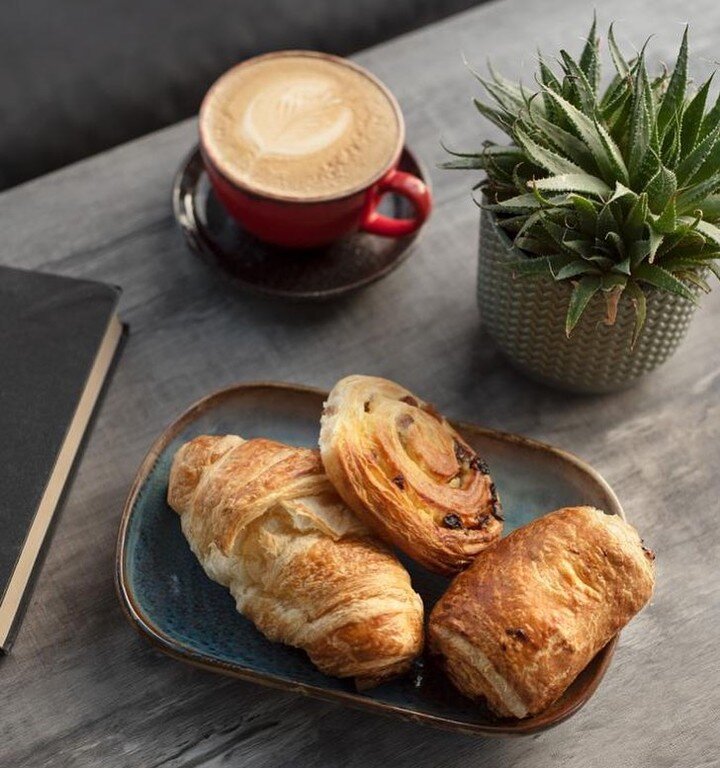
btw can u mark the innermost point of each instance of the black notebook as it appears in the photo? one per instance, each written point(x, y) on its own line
point(58, 339)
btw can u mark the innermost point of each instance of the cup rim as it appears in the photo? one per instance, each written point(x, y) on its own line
point(253, 192)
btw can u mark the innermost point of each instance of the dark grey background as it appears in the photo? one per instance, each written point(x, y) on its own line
point(79, 76)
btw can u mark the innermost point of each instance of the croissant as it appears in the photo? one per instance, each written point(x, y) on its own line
point(264, 521)
point(408, 474)
point(524, 620)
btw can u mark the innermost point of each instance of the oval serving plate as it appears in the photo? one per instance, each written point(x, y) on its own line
point(168, 598)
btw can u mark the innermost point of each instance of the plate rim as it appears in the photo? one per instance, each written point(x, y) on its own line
point(144, 625)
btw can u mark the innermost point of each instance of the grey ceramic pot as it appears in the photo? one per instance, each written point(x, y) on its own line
point(526, 318)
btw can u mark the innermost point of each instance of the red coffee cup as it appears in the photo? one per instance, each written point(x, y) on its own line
point(311, 222)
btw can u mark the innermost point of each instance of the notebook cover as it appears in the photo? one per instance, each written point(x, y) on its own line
point(51, 329)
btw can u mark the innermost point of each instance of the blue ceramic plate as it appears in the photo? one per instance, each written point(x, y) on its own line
point(168, 598)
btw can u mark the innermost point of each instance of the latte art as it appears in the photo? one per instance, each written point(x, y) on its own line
point(297, 119)
point(301, 126)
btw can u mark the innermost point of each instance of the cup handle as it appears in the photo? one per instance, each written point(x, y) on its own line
point(408, 186)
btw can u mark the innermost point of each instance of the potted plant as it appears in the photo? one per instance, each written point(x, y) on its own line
point(600, 220)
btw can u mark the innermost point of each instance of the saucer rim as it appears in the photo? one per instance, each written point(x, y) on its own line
point(202, 245)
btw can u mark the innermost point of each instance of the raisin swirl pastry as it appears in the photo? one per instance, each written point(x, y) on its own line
point(408, 474)
point(264, 521)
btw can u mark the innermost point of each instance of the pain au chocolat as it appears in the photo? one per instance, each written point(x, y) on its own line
point(520, 624)
point(264, 521)
point(408, 474)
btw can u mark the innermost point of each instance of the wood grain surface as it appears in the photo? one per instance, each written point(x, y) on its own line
point(81, 689)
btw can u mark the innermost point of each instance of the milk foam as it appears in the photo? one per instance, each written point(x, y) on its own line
point(297, 119)
point(300, 126)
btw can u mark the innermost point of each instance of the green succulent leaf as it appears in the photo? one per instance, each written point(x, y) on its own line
point(674, 98)
point(544, 157)
point(585, 214)
point(575, 268)
point(581, 248)
point(639, 251)
point(464, 164)
point(713, 266)
point(612, 152)
point(689, 198)
point(590, 59)
point(509, 100)
point(618, 243)
point(528, 227)
point(519, 180)
point(583, 291)
point(637, 218)
point(622, 191)
point(710, 231)
point(622, 67)
point(650, 164)
point(711, 120)
point(603, 262)
point(661, 189)
point(619, 121)
point(670, 150)
point(489, 150)
point(563, 141)
point(709, 208)
point(610, 282)
point(666, 222)
point(512, 223)
point(572, 182)
point(691, 276)
point(637, 296)
point(526, 202)
point(654, 243)
point(586, 129)
point(549, 80)
point(640, 122)
point(693, 116)
point(694, 161)
point(616, 96)
point(583, 91)
point(506, 88)
point(710, 164)
point(508, 95)
point(536, 246)
point(539, 266)
point(673, 263)
point(499, 118)
point(557, 232)
point(606, 223)
point(661, 278)
point(622, 267)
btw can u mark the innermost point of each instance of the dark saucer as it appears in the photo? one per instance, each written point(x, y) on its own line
point(320, 273)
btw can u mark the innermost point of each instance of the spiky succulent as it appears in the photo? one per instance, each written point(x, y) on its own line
point(615, 190)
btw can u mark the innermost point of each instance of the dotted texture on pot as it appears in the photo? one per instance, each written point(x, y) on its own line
point(525, 316)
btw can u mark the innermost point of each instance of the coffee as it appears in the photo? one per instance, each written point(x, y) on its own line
point(301, 126)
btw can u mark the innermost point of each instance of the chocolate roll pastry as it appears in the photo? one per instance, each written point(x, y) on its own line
point(520, 624)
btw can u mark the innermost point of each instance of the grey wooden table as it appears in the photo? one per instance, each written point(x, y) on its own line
point(81, 689)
